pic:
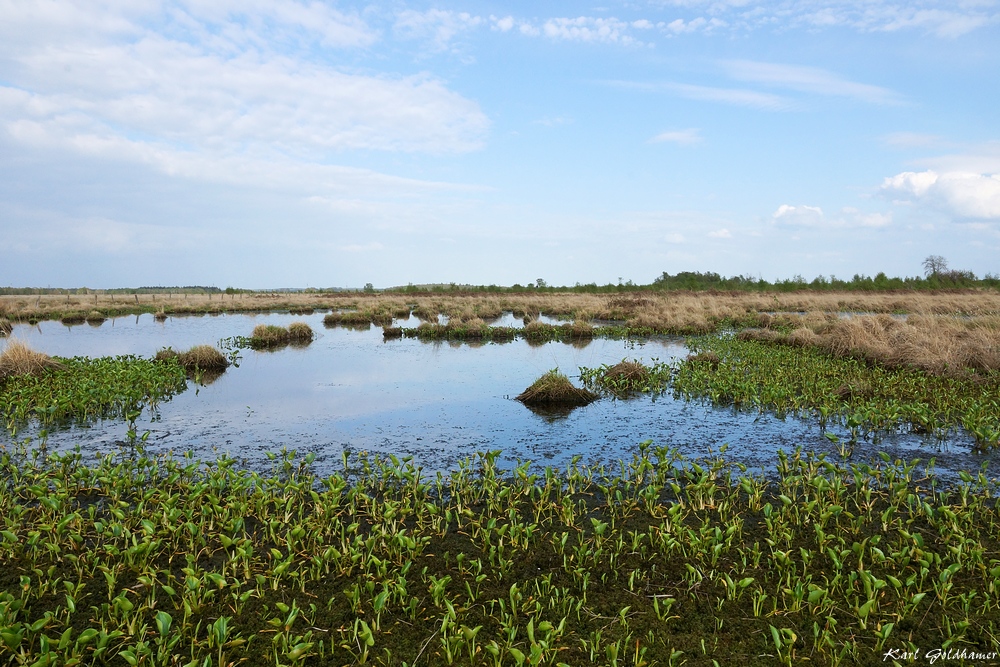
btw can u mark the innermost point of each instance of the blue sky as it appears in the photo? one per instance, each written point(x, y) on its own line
point(267, 143)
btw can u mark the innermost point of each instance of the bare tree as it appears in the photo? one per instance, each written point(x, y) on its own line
point(935, 265)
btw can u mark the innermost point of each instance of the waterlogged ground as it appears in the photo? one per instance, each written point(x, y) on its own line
point(438, 402)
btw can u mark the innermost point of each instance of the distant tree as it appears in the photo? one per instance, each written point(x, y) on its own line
point(934, 265)
point(369, 287)
point(540, 283)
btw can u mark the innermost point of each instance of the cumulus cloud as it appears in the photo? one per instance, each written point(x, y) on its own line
point(683, 137)
point(961, 194)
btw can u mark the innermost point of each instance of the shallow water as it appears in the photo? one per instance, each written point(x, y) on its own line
point(438, 402)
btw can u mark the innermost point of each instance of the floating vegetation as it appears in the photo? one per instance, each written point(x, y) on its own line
point(82, 389)
point(628, 377)
point(17, 359)
point(660, 561)
point(868, 399)
point(555, 390)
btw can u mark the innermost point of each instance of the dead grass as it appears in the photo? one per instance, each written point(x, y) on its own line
point(269, 335)
point(555, 390)
point(70, 319)
point(19, 359)
point(300, 332)
point(96, 317)
point(203, 358)
point(6, 328)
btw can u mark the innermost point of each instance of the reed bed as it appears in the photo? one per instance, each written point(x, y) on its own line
point(660, 561)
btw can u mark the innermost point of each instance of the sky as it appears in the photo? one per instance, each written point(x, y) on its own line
point(284, 143)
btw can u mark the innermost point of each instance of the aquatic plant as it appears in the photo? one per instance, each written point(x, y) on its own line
point(83, 389)
point(627, 377)
point(868, 399)
point(555, 389)
point(656, 561)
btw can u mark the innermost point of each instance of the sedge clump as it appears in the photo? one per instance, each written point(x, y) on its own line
point(19, 359)
point(555, 390)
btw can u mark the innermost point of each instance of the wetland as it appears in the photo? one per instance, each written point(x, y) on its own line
point(762, 479)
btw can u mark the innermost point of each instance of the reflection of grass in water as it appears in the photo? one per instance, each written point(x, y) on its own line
point(656, 560)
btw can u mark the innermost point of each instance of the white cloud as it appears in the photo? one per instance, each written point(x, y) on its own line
point(590, 29)
point(197, 86)
point(805, 216)
point(674, 238)
point(504, 24)
point(961, 194)
point(809, 80)
point(439, 27)
point(683, 137)
point(721, 234)
point(911, 140)
point(734, 96)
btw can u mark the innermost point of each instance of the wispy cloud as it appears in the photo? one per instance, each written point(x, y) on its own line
point(437, 27)
point(734, 96)
point(686, 137)
point(808, 80)
point(594, 29)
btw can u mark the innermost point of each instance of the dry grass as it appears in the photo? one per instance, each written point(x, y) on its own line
point(6, 328)
point(555, 390)
point(19, 359)
point(269, 335)
point(300, 332)
point(203, 358)
point(70, 319)
point(96, 317)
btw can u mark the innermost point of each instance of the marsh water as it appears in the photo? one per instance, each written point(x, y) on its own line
point(350, 390)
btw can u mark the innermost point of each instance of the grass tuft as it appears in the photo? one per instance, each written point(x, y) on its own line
point(300, 332)
point(269, 335)
point(6, 328)
point(203, 358)
point(19, 359)
point(96, 317)
point(555, 389)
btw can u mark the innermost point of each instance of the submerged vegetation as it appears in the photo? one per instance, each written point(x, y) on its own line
point(140, 560)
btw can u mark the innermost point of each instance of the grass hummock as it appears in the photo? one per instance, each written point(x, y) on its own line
point(204, 358)
point(19, 359)
point(300, 332)
point(555, 390)
point(269, 335)
point(6, 328)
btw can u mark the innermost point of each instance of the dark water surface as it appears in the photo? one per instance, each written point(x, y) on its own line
point(438, 402)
